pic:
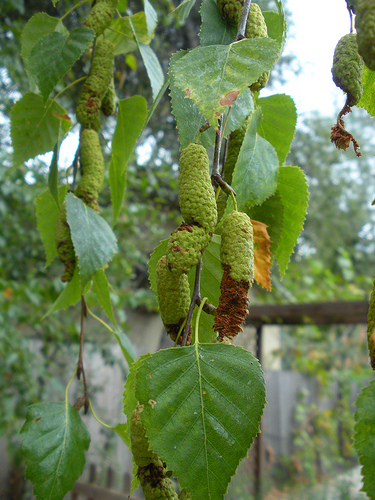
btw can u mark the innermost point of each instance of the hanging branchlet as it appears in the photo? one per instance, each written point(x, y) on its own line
point(347, 72)
point(80, 367)
point(340, 136)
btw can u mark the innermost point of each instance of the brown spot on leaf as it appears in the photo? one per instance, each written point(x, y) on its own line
point(61, 117)
point(229, 98)
point(37, 419)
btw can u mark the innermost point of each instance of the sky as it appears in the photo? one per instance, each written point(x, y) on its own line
point(317, 27)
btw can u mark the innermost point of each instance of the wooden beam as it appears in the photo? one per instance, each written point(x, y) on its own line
point(99, 493)
point(324, 313)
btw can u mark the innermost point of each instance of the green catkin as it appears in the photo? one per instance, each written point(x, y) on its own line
point(100, 16)
point(173, 294)
point(108, 105)
point(152, 474)
point(371, 327)
point(196, 194)
point(92, 168)
point(237, 249)
point(256, 27)
point(347, 68)
point(96, 85)
point(64, 245)
point(230, 10)
point(365, 25)
point(185, 247)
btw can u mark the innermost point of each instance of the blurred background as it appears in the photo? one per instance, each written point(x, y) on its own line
point(313, 372)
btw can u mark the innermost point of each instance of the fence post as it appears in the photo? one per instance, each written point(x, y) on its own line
point(258, 441)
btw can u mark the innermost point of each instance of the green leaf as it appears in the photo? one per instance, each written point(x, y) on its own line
point(255, 173)
point(122, 431)
point(46, 217)
point(276, 24)
point(53, 446)
point(153, 68)
point(364, 436)
point(270, 212)
point(182, 12)
point(36, 126)
point(151, 17)
point(367, 100)
point(101, 290)
point(278, 123)
point(53, 175)
point(54, 54)
point(93, 239)
point(36, 28)
point(131, 118)
point(125, 345)
point(70, 295)
point(214, 30)
point(189, 119)
point(294, 194)
point(121, 33)
point(215, 75)
point(209, 401)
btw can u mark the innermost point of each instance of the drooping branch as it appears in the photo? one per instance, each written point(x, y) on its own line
point(80, 368)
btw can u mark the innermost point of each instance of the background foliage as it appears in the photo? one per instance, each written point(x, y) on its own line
point(340, 190)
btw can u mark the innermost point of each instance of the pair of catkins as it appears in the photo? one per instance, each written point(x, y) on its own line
point(355, 50)
point(97, 95)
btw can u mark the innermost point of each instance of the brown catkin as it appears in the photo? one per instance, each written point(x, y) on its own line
point(237, 259)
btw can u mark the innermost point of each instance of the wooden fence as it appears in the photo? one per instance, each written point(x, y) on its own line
point(90, 491)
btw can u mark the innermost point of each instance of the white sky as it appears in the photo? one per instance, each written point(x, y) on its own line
point(318, 25)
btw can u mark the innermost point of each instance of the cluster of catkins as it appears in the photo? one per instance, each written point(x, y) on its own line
point(188, 242)
point(352, 52)
point(97, 95)
point(256, 27)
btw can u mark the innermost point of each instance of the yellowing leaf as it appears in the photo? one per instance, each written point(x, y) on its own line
point(262, 255)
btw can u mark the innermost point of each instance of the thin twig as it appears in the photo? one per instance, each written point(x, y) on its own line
point(242, 25)
point(224, 185)
point(207, 307)
point(195, 296)
point(204, 127)
point(80, 368)
point(75, 164)
point(216, 163)
point(215, 175)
